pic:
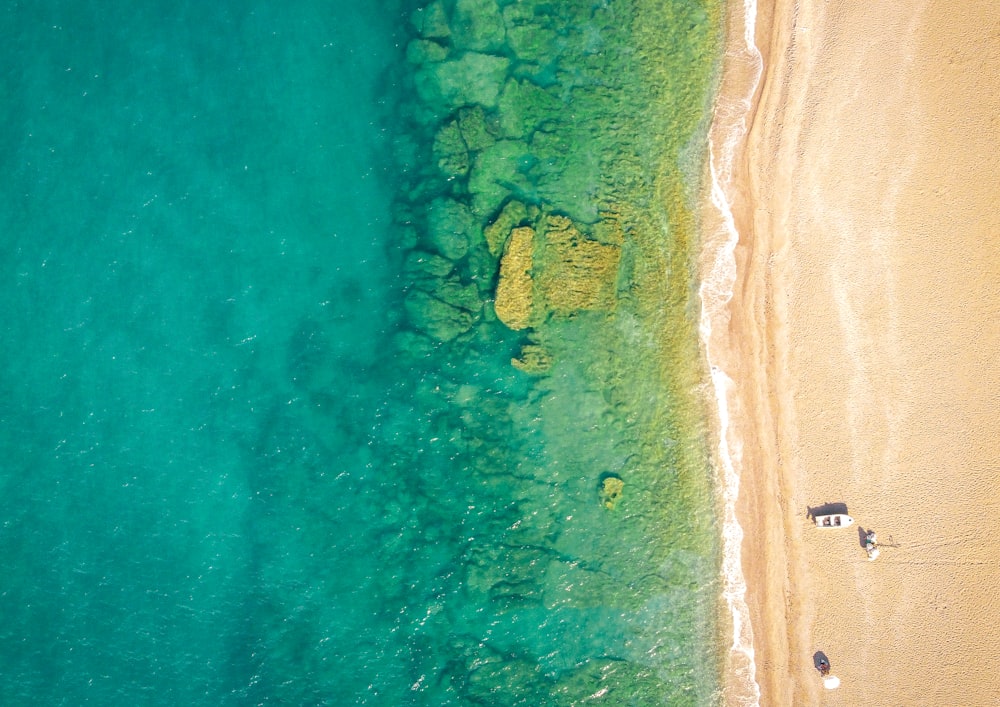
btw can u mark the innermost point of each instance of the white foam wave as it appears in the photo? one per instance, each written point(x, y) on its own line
point(729, 129)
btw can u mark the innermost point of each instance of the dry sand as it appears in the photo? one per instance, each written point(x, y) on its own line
point(863, 341)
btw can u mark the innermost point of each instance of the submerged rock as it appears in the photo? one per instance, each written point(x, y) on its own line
point(567, 172)
point(474, 78)
point(524, 107)
point(476, 131)
point(459, 295)
point(420, 265)
point(450, 227)
point(414, 344)
point(534, 359)
point(515, 294)
point(436, 318)
point(578, 273)
point(496, 172)
point(527, 36)
point(482, 268)
point(478, 25)
point(513, 214)
point(611, 491)
point(423, 51)
point(431, 22)
point(450, 151)
point(487, 678)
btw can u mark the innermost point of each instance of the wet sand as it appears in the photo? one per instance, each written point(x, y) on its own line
point(863, 345)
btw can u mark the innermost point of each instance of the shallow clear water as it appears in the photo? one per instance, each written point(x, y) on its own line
point(234, 469)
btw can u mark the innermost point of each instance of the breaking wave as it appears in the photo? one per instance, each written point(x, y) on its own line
point(729, 129)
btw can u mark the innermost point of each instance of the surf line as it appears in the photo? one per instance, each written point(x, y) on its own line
point(741, 74)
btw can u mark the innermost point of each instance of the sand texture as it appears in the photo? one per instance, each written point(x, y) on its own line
point(863, 340)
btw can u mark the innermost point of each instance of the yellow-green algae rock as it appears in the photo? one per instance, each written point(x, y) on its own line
point(534, 359)
point(513, 214)
point(514, 298)
point(611, 491)
point(556, 270)
point(579, 273)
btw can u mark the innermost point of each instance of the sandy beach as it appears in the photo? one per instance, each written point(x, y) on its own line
point(861, 350)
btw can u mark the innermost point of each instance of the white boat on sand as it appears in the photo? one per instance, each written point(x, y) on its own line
point(834, 520)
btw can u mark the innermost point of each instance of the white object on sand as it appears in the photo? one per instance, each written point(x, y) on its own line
point(831, 682)
point(871, 545)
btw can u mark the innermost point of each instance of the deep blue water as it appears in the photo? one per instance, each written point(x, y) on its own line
point(231, 473)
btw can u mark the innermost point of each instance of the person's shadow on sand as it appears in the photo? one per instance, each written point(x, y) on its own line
point(863, 537)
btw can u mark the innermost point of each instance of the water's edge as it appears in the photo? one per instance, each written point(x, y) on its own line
point(742, 71)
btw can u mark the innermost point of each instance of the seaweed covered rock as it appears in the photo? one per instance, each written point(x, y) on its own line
point(420, 265)
point(515, 289)
point(611, 491)
point(424, 51)
point(431, 22)
point(567, 172)
point(496, 172)
point(528, 35)
point(436, 318)
point(478, 25)
point(513, 214)
point(534, 359)
point(450, 228)
point(450, 151)
point(524, 107)
point(476, 130)
point(475, 78)
point(578, 273)
point(482, 266)
point(552, 268)
point(458, 294)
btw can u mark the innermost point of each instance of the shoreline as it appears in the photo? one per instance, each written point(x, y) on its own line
point(852, 330)
point(741, 73)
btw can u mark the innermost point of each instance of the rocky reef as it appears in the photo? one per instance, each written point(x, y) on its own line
point(545, 223)
point(522, 103)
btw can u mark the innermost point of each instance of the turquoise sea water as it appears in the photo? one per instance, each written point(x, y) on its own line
point(240, 464)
